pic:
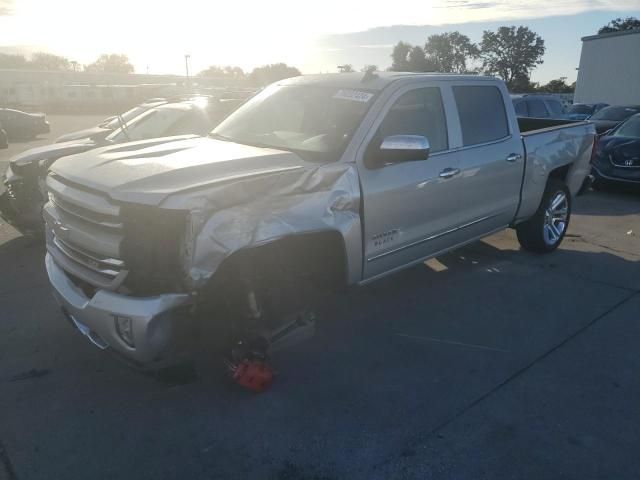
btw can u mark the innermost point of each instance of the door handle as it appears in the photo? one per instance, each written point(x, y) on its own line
point(513, 157)
point(449, 172)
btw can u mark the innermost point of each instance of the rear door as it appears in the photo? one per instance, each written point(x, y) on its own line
point(491, 159)
point(409, 206)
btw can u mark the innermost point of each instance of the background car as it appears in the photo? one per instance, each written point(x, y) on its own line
point(616, 155)
point(109, 124)
point(611, 117)
point(4, 140)
point(23, 192)
point(22, 125)
point(538, 106)
point(582, 111)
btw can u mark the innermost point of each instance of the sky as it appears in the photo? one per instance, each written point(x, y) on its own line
point(315, 37)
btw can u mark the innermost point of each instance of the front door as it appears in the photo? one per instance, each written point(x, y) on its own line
point(409, 206)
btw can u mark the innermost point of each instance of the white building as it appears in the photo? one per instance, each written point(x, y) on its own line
point(610, 69)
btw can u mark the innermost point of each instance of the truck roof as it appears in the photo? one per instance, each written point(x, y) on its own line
point(377, 81)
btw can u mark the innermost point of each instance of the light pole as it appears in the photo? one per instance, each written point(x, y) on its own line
point(186, 67)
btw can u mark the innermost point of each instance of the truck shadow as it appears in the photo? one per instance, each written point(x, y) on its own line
point(478, 295)
point(483, 285)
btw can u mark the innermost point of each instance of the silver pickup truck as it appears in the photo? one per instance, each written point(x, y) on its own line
point(315, 183)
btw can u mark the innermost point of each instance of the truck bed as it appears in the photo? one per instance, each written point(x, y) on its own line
point(529, 126)
point(553, 145)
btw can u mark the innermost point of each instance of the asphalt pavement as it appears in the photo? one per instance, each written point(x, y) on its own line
point(488, 362)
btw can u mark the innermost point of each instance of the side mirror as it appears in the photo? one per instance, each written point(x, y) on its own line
point(403, 148)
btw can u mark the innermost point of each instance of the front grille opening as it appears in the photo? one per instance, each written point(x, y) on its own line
point(151, 248)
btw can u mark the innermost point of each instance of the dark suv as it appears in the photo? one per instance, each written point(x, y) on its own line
point(538, 106)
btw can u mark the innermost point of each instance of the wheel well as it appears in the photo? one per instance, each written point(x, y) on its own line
point(560, 172)
point(319, 256)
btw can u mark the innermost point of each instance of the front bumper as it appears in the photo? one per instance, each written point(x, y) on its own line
point(158, 323)
point(613, 174)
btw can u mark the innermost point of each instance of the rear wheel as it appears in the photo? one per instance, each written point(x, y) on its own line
point(544, 231)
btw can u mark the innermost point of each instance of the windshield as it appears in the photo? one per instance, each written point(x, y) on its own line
point(615, 113)
point(153, 123)
point(581, 109)
point(316, 122)
point(126, 116)
point(630, 128)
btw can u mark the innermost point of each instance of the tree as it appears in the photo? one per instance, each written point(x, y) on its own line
point(8, 60)
point(511, 52)
point(522, 84)
point(449, 52)
point(400, 57)
point(369, 69)
point(227, 72)
point(272, 73)
point(620, 25)
point(346, 68)
point(557, 86)
point(418, 62)
point(110, 63)
point(49, 61)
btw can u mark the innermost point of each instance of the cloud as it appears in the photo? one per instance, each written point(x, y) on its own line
point(466, 4)
point(6, 7)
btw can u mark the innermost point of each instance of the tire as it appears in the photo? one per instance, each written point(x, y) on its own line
point(543, 232)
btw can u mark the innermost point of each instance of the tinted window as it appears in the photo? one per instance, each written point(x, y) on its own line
point(154, 123)
point(556, 108)
point(537, 108)
point(418, 112)
point(195, 122)
point(482, 114)
point(616, 114)
point(521, 109)
point(581, 108)
point(630, 128)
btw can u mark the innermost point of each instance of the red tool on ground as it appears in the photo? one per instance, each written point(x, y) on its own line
point(249, 365)
point(254, 375)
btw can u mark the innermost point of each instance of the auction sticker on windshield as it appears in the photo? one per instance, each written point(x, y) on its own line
point(353, 95)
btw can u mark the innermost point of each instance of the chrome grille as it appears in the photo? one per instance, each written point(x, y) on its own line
point(84, 233)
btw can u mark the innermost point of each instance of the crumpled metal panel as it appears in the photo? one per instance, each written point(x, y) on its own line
point(254, 211)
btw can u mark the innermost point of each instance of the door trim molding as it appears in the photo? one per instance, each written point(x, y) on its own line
point(431, 237)
point(433, 255)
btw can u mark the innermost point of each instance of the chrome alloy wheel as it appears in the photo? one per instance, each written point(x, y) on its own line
point(555, 218)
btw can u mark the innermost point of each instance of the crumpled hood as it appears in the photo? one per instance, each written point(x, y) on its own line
point(54, 151)
point(94, 132)
point(149, 171)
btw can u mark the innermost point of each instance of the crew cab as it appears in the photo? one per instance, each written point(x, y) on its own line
point(316, 182)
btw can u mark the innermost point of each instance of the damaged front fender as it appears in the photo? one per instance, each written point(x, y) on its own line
point(256, 210)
